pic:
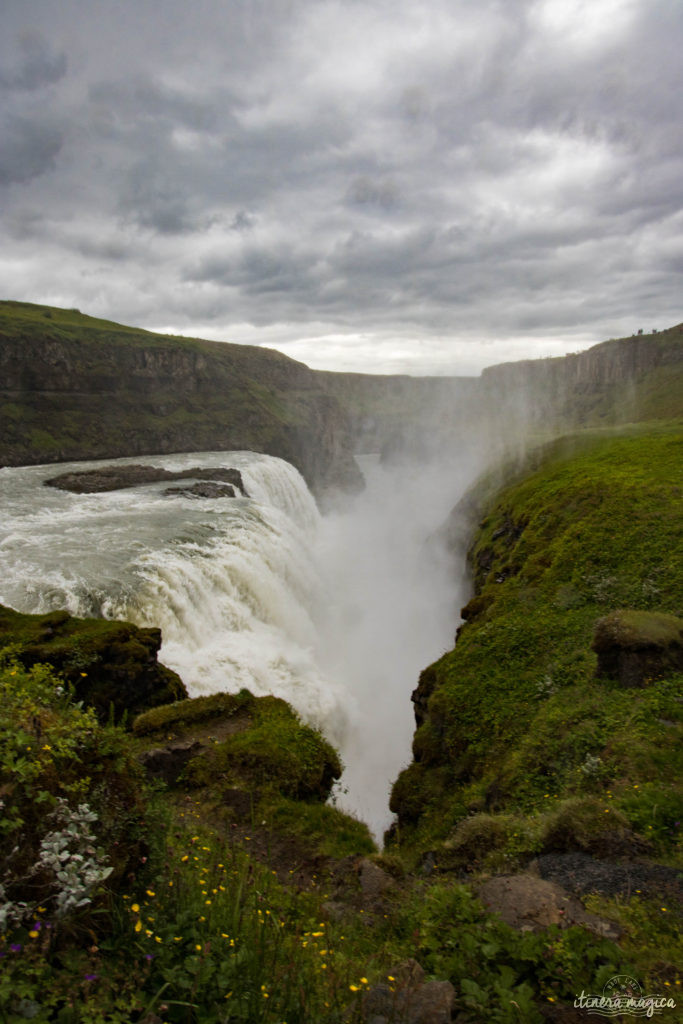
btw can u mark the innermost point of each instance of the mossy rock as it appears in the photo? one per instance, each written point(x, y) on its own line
point(414, 789)
point(246, 743)
point(276, 751)
point(323, 830)
point(635, 647)
point(176, 720)
point(478, 835)
point(587, 825)
point(111, 665)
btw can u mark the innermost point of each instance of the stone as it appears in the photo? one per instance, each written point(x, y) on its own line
point(115, 478)
point(203, 490)
point(529, 904)
point(374, 881)
point(635, 647)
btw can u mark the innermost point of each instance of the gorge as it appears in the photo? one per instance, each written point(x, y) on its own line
point(542, 499)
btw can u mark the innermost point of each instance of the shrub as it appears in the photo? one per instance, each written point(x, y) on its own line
point(72, 800)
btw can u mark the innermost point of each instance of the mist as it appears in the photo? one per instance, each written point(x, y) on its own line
point(392, 598)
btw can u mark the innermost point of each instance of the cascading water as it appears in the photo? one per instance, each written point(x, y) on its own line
point(337, 614)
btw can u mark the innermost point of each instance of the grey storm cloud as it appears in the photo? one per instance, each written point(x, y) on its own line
point(29, 149)
point(33, 64)
point(365, 176)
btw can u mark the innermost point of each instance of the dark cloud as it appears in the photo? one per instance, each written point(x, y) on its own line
point(34, 64)
point(422, 180)
point(366, 192)
point(29, 148)
point(242, 221)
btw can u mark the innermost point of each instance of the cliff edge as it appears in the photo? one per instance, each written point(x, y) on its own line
point(75, 387)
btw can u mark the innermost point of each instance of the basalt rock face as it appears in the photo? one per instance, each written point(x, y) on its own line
point(74, 387)
point(617, 381)
point(419, 418)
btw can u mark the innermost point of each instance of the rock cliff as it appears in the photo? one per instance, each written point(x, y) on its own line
point(621, 380)
point(74, 387)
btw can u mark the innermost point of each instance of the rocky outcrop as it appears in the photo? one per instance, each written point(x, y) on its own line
point(111, 665)
point(636, 647)
point(115, 478)
point(73, 387)
point(529, 903)
point(617, 381)
point(238, 742)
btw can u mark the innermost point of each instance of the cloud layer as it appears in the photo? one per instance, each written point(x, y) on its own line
point(364, 184)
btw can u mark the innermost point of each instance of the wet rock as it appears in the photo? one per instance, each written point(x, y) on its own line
point(635, 647)
point(529, 903)
point(203, 490)
point(115, 478)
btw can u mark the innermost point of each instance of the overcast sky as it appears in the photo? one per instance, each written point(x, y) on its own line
point(418, 186)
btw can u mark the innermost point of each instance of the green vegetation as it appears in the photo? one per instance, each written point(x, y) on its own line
point(112, 666)
point(219, 886)
point(518, 721)
point(151, 909)
point(72, 815)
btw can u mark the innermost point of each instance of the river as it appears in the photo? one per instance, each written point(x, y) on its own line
point(336, 613)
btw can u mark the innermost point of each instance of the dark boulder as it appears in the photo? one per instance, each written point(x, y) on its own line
point(116, 478)
point(635, 647)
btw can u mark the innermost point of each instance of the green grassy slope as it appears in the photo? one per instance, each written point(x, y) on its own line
point(516, 719)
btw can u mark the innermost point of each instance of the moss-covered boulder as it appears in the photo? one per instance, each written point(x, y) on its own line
point(245, 743)
point(635, 647)
point(111, 665)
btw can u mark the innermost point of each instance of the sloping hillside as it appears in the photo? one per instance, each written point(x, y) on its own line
point(525, 725)
point(74, 387)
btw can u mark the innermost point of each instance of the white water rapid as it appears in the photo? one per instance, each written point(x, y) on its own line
point(337, 614)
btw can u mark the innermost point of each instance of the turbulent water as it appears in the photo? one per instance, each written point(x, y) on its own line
point(337, 614)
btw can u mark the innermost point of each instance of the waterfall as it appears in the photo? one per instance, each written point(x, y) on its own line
point(335, 614)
